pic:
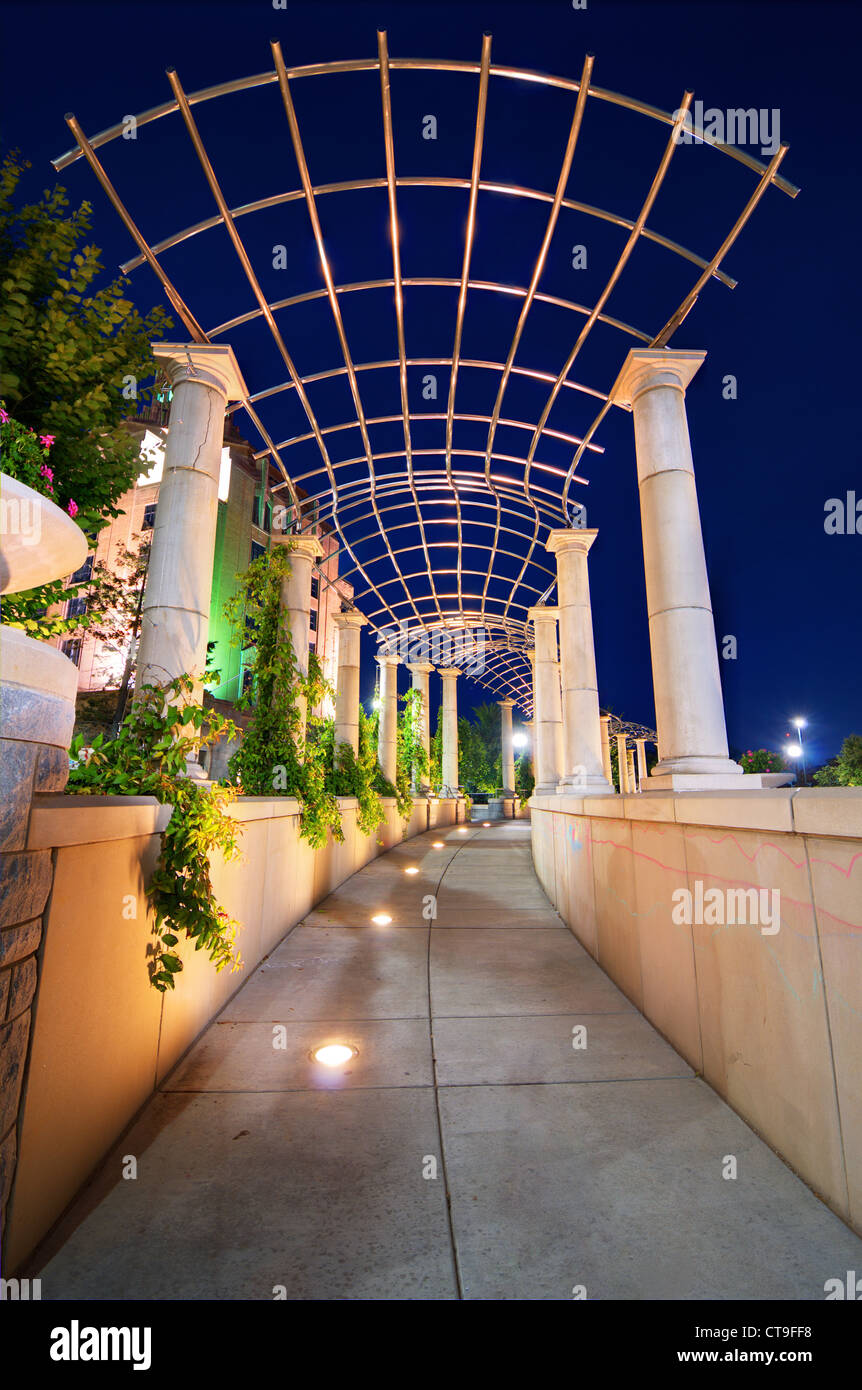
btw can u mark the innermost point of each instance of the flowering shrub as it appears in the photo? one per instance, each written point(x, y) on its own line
point(762, 760)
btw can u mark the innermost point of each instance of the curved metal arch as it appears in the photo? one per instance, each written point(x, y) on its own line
point(428, 282)
point(387, 485)
point(239, 84)
point(429, 415)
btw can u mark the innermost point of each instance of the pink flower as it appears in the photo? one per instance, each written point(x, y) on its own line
point(46, 472)
point(4, 418)
point(72, 508)
point(47, 439)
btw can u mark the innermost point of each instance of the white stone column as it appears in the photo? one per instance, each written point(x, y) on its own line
point(176, 604)
point(347, 678)
point(686, 682)
point(296, 599)
point(630, 769)
point(547, 705)
point(449, 676)
point(582, 739)
point(387, 728)
point(640, 744)
point(508, 748)
point(607, 765)
point(622, 764)
point(420, 671)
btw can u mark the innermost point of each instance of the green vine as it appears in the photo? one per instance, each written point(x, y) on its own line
point(148, 757)
point(358, 774)
point(273, 759)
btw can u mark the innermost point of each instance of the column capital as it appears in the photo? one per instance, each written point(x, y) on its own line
point(506, 704)
point(307, 546)
point(352, 619)
point(571, 538)
point(420, 667)
point(208, 364)
point(386, 659)
point(646, 368)
point(543, 611)
point(448, 672)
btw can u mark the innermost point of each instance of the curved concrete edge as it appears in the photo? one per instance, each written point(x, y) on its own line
point(40, 541)
point(34, 665)
point(804, 810)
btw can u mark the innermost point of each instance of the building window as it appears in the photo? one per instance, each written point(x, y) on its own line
point(312, 645)
point(76, 607)
point(267, 518)
point(149, 520)
point(84, 573)
point(72, 650)
point(255, 509)
point(312, 619)
point(315, 586)
point(257, 550)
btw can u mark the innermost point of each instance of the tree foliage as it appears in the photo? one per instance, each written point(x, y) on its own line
point(846, 769)
point(67, 348)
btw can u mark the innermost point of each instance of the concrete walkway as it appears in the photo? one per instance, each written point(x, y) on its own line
point(556, 1167)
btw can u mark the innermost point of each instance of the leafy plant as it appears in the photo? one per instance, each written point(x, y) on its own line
point(846, 769)
point(762, 760)
point(148, 758)
point(273, 758)
point(358, 774)
point(411, 760)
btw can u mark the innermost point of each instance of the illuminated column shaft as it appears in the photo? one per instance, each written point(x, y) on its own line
point(547, 704)
point(296, 600)
point(508, 759)
point(420, 671)
point(387, 729)
point(686, 682)
point(640, 744)
point(176, 604)
point(347, 678)
point(449, 676)
point(622, 763)
point(582, 740)
point(607, 765)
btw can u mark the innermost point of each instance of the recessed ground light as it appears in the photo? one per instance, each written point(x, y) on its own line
point(411, 870)
point(380, 919)
point(438, 844)
point(485, 824)
point(462, 830)
point(334, 1054)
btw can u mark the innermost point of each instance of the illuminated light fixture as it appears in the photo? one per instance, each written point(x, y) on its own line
point(462, 830)
point(795, 751)
point(381, 919)
point(799, 722)
point(485, 824)
point(519, 740)
point(334, 1054)
point(411, 870)
point(438, 844)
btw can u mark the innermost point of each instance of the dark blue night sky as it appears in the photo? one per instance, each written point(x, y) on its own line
point(766, 464)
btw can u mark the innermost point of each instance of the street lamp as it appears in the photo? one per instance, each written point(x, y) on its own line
point(799, 724)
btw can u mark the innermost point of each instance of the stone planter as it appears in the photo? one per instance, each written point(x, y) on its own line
point(38, 685)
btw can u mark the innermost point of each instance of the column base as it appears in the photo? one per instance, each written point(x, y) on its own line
point(546, 789)
point(585, 786)
point(702, 782)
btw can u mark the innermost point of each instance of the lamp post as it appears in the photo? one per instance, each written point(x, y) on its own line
point(799, 724)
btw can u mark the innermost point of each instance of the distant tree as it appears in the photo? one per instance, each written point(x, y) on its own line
point(846, 769)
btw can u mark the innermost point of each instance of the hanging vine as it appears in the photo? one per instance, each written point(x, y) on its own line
point(148, 758)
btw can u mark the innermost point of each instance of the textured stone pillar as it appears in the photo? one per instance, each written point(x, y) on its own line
point(296, 599)
point(387, 728)
point(508, 748)
point(547, 705)
point(622, 764)
point(449, 676)
point(686, 682)
point(176, 605)
point(582, 740)
point(420, 671)
point(347, 678)
point(630, 768)
point(607, 765)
